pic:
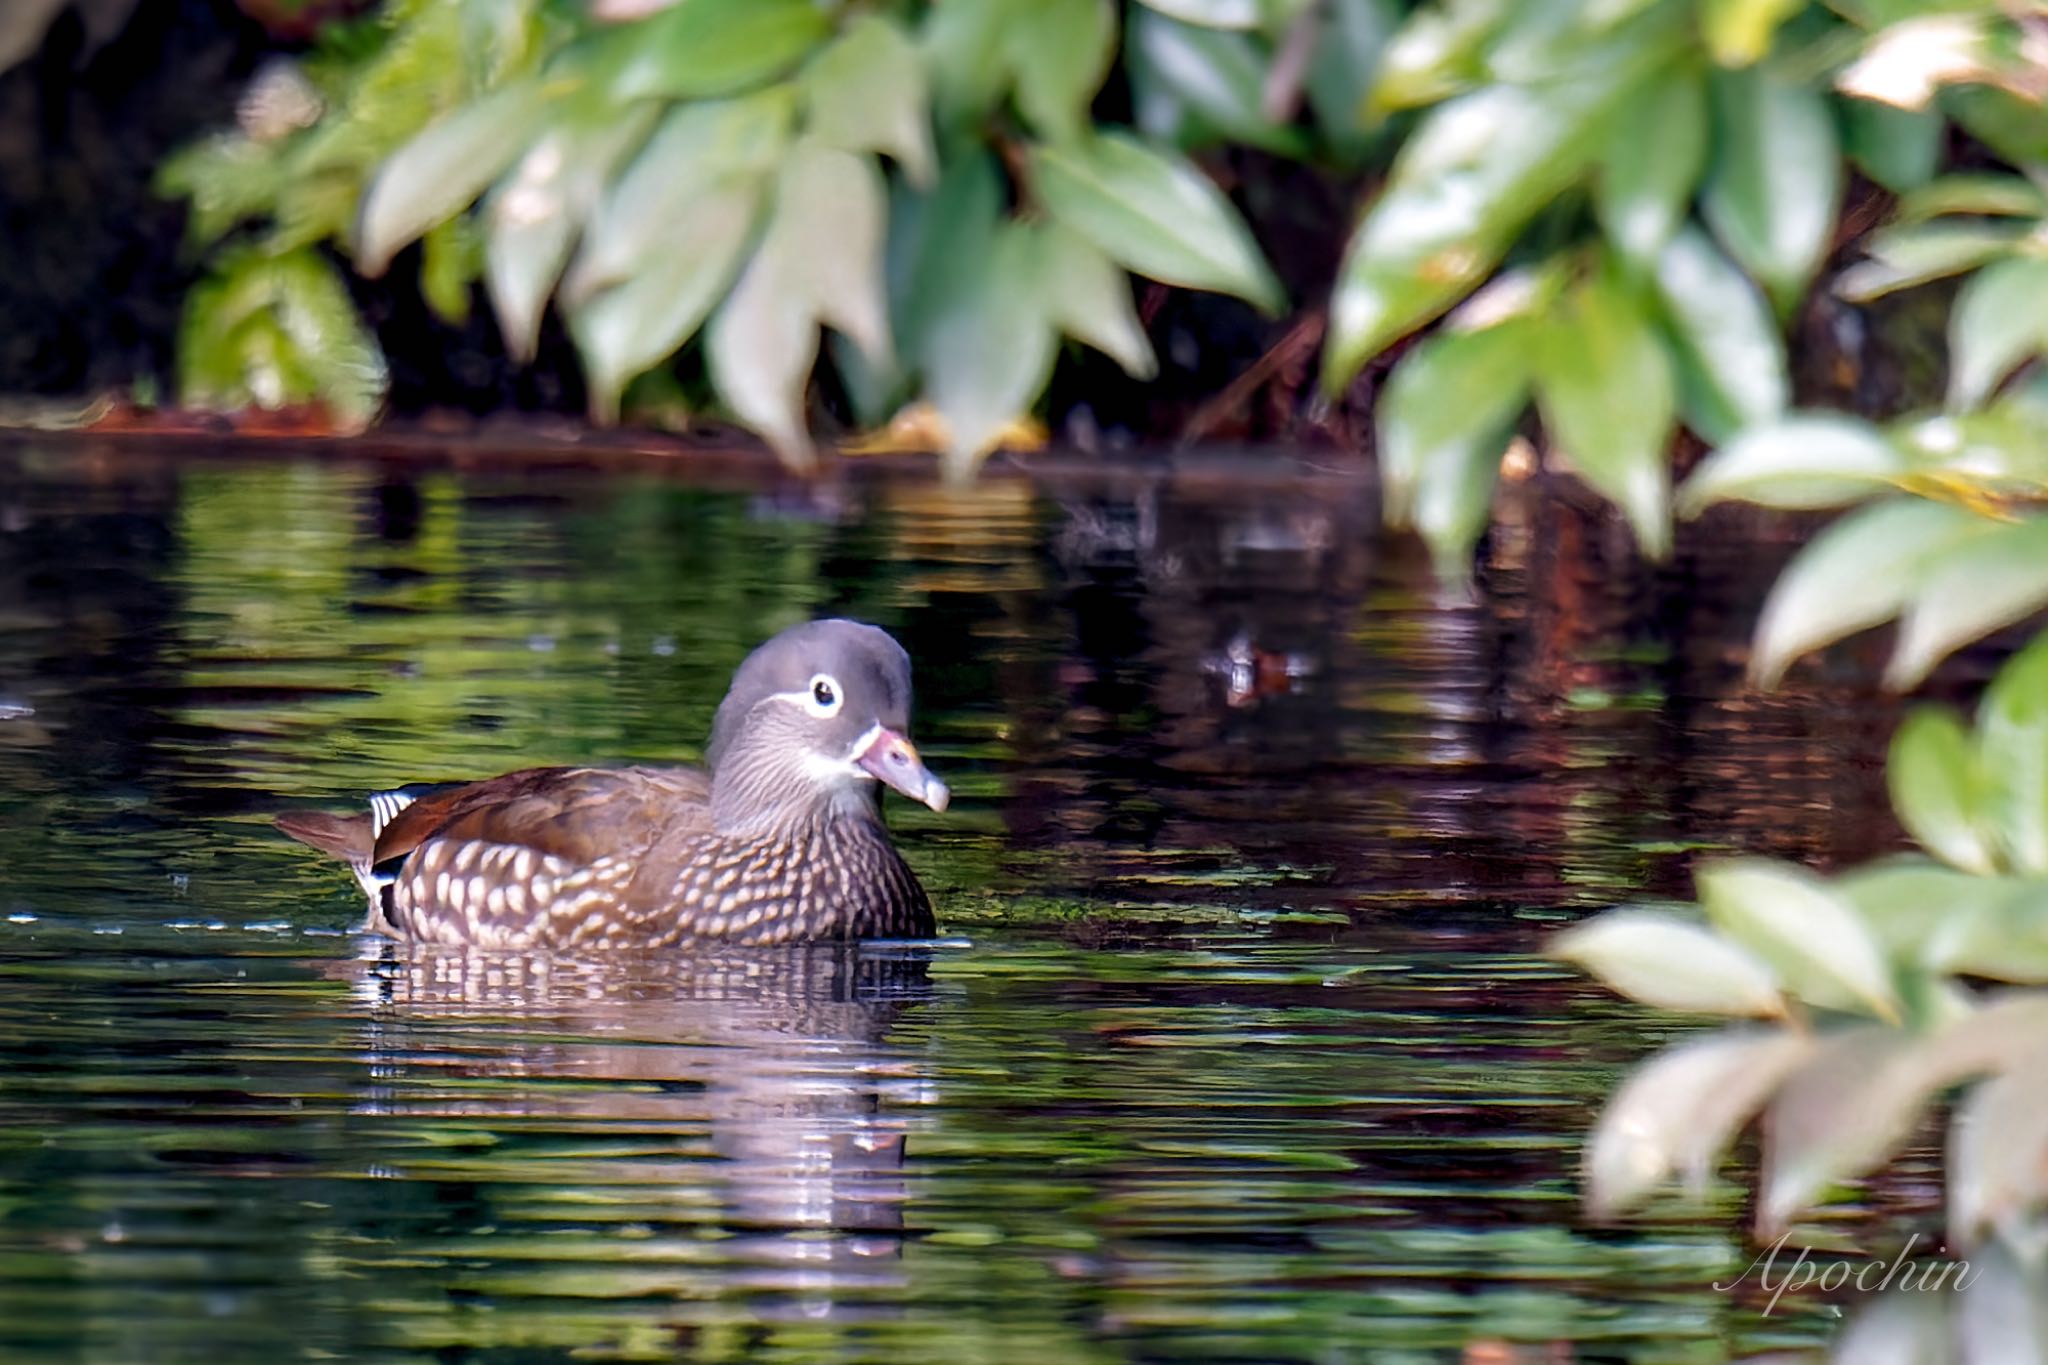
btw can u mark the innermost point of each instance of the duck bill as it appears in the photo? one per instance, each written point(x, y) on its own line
point(892, 760)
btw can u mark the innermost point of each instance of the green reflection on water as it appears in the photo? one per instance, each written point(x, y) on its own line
point(1239, 1050)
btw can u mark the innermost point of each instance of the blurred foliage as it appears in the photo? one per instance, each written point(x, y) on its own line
point(1614, 206)
point(1878, 985)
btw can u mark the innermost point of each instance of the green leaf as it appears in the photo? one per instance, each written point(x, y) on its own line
point(1856, 573)
point(1807, 933)
point(1836, 1117)
point(640, 321)
point(1218, 76)
point(270, 331)
point(534, 214)
point(1463, 186)
point(1155, 213)
point(1088, 297)
point(1804, 460)
point(762, 347)
point(437, 174)
point(1343, 67)
point(1680, 1110)
point(1604, 385)
point(700, 48)
point(1967, 192)
point(1059, 52)
point(937, 241)
point(1658, 959)
point(1732, 366)
point(1211, 13)
point(868, 92)
point(1443, 423)
point(448, 266)
point(1738, 32)
point(964, 51)
point(1905, 256)
point(989, 350)
point(1656, 149)
point(1937, 790)
point(1776, 180)
point(819, 262)
point(1968, 590)
point(2012, 730)
point(1995, 1180)
point(2000, 318)
point(227, 179)
point(2006, 123)
point(698, 149)
point(1900, 149)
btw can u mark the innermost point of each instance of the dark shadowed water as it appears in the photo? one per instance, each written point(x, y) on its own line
point(1238, 1044)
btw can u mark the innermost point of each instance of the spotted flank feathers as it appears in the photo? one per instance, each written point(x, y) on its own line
point(781, 842)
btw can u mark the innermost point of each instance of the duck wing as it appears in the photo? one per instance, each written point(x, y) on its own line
point(576, 814)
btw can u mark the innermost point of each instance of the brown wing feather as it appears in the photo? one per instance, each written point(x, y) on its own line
point(578, 814)
point(344, 836)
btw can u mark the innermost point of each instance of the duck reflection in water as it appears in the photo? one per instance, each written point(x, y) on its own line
point(721, 1122)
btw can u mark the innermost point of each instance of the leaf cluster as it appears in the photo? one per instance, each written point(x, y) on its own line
point(1875, 985)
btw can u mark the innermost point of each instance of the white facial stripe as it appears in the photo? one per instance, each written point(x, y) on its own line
point(867, 741)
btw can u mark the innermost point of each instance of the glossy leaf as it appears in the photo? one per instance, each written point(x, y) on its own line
point(1659, 959)
point(1937, 790)
point(1804, 460)
point(868, 92)
point(1856, 573)
point(2000, 319)
point(1088, 297)
point(989, 349)
point(1738, 32)
point(1652, 161)
point(1835, 1117)
point(1462, 188)
point(967, 58)
point(1211, 13)
point(1772, 193)
point(2012, 724)
point(1900, 149)
point(701, 48)
point(1443, 423)
point(1807, 933)
point(1218, 76)
point(1604, 386)
point(829, 221)
point(1998, 1156)
point(1436, 53)
point(1967, 591)
point(1156, 214)
point(1973, 192)
point(271, 331)
point(1679, 1111)
point(1058, 52)
point(1733, 370)
point(1917, 909)
point(449, 262)
point(534, 214)
point(640, 321)
point(1346, 61)
point(698, 149)
point(1866, 1090)
point(762, 347)
point(440, 172)
point(1905, 256)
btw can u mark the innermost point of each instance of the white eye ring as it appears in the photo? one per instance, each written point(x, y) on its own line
point(824, 696)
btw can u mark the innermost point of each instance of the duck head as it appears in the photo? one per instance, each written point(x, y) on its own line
point(815, 718)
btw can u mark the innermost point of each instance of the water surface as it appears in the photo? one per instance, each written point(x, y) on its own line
point(1238, 1044)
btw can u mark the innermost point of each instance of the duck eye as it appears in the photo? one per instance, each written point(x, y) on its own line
point(824, 695)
